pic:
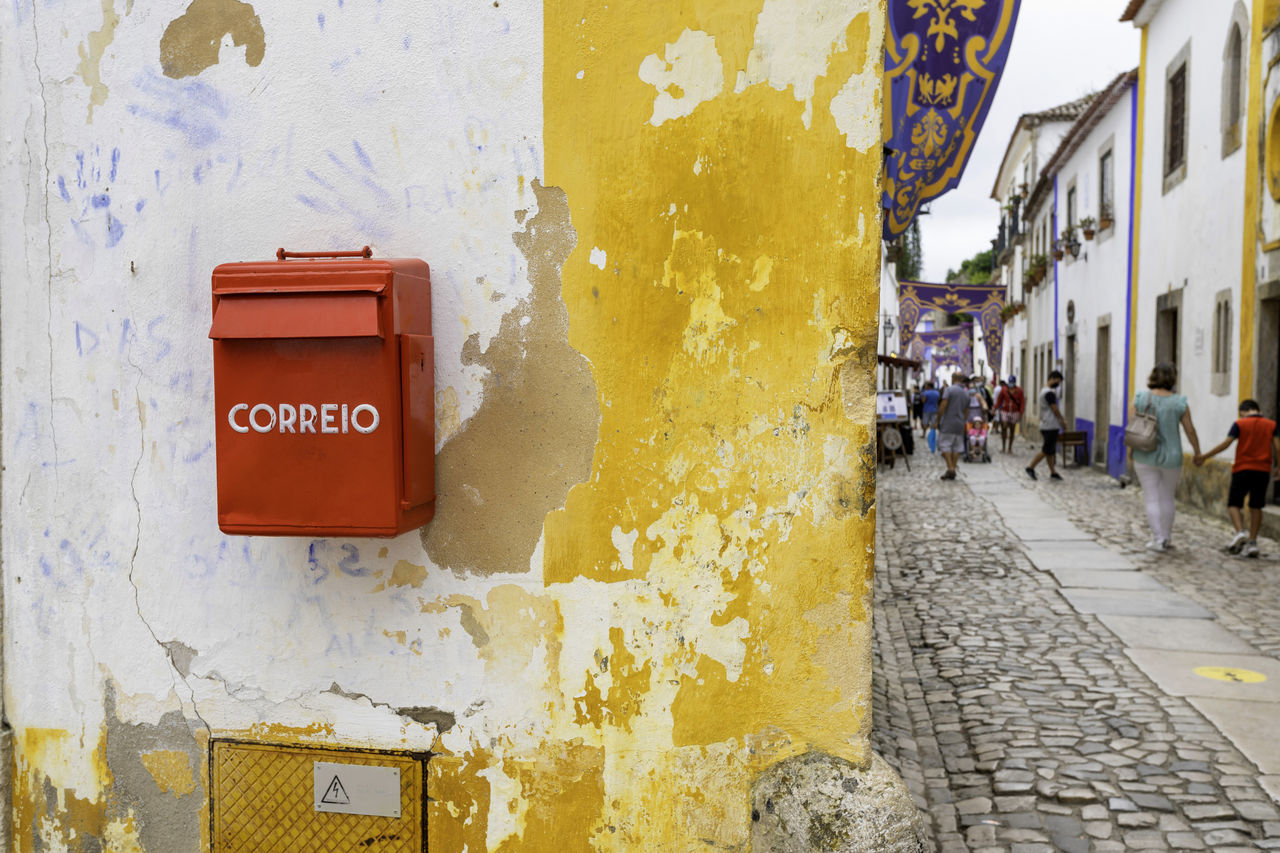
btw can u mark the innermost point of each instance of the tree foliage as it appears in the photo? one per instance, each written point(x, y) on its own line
point(975, 270)
point(910, 254)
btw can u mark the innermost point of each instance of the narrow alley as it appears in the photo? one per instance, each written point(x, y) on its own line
point(1043, 683)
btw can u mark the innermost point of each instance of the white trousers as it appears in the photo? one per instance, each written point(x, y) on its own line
point(1158, 486)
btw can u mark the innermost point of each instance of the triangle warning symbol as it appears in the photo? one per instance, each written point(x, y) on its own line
point(335, 794)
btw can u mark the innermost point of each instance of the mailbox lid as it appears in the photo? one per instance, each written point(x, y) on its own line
point(406, 282)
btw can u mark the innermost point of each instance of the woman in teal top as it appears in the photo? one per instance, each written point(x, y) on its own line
point(1158, 470)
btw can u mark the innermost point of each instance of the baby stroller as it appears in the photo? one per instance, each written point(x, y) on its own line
point(976, 441)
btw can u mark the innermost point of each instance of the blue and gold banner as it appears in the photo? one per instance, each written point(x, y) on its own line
point(982, 301)
point(943, 61)
point(953, 346)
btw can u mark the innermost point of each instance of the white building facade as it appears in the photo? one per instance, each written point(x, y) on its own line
point(1089, 179)
point(1025, 233)
point(1190, 211)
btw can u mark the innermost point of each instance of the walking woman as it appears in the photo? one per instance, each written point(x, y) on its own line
point(1158, 470)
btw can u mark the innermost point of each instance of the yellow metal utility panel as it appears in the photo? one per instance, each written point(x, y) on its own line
point(263, 802)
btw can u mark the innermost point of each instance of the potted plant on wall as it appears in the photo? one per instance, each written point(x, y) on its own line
point(1104, 220)
point(1040, 263)
point(1086, 226)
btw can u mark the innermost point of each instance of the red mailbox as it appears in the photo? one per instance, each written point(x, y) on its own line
point(324, 395)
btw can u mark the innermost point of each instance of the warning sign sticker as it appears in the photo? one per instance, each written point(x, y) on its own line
point(335, 794)
point(356, 789)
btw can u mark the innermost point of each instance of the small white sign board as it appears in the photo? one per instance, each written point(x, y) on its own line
point(357, 789)
point(891, 405)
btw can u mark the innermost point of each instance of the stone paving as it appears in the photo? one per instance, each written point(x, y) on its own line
point(1013, 691)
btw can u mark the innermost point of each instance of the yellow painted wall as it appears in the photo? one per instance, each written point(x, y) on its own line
point(723, 287)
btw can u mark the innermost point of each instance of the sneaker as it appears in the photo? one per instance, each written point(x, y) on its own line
point(1156, 545)
point(1250, 549)
point(1031, 472)
point(1054, 475)
point(1237, 542)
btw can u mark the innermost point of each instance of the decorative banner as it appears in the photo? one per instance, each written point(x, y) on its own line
point(953, 346)
point(943, 61)
point(983, 301)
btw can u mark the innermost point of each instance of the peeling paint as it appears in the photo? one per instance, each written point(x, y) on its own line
point(91, 52)
point(688, 73)
point(171, 771)
point(192, 41)
point(795, 41)
point(514, 460)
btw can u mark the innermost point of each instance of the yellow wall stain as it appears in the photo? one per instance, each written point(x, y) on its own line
point(408, 574)
point(448, 418)
point(627, 683)
point(171, 769)
point(192, 41)
point(90, 67)
point(457, 803)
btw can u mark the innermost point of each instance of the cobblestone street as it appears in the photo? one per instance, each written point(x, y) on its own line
point(1043, 683)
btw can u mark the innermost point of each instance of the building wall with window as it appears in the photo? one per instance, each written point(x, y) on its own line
point(1093, 286)
point(1035, 138)
point(1187, 296)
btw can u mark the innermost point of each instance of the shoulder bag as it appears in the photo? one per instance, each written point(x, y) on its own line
point(1143, 432)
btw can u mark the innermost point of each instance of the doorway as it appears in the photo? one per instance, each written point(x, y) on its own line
point(1102, 394)
point(1169, 329)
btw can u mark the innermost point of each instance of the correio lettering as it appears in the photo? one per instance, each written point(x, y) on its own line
point(304, 418)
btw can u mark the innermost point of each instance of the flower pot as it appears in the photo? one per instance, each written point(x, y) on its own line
point(1088, 233)
point(1058, 254)
point(1105, 223)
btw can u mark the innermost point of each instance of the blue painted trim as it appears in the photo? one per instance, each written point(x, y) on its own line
point(1128, 290)
point(1057, 345)
point(1086, 426)
point(1117, 453)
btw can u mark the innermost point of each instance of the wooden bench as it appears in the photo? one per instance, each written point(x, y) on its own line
point(1074, 439)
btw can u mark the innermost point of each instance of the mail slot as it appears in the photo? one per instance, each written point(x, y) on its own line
point(323, 376)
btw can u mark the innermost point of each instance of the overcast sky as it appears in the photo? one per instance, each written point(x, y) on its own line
point(1061, 50)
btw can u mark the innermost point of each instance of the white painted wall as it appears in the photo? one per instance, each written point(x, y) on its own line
point(413, 127)
point(1034, 327)
point(1096, 281)
point(1189, 236)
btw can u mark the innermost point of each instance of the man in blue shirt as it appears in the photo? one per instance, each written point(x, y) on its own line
point(930, 410)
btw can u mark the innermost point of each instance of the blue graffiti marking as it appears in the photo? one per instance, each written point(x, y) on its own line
point(190, 107)
point(89, 171)
point(361, 155)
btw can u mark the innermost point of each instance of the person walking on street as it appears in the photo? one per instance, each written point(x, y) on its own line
point(1010, 403)
point(1257, 461)
point(929, 408)
point(917, 408)
point(1158, 470)
point(951, 420)
point(1051, 423)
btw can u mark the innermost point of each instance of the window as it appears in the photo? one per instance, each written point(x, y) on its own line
point(1235, 55)
point(1220, 380)
point(1106, 187)
point(1071, 207)
point(1177, 108)
point(1175, 147)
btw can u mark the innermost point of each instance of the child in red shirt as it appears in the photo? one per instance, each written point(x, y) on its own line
point(1257, 459)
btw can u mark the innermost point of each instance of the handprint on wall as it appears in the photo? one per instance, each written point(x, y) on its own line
point(92, 203)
